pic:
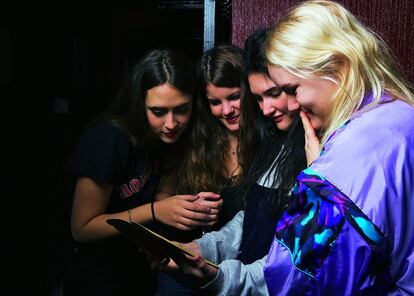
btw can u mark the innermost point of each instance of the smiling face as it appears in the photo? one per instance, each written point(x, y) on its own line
point(313, 95)
point(225, 105)
point(271, 101)
point(168, 112)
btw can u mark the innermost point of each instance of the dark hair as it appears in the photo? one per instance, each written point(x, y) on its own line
point(205, 166)
point(221, 66)
point(156, 67)
point(261, 142)
point(254, 52)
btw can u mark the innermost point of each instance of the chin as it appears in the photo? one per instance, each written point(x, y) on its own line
point(169, 140)
point(233, 128)
point(284, 126)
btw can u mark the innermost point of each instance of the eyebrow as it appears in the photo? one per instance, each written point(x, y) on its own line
point(165, 108)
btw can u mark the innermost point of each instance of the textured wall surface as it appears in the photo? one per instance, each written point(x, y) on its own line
point(393, 20)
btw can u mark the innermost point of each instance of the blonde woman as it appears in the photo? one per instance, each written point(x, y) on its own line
point(349, 229)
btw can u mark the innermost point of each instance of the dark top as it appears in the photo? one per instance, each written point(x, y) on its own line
point(231, 206)
point(105, 154)
point(258, 225)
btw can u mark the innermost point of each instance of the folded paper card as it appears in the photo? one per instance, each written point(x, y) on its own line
point(151, 240)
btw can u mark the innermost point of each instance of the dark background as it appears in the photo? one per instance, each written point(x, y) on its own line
point(59, 66)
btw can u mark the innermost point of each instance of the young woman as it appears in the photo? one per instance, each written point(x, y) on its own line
point(116, 167)
point(349, 228)
point(212, 164)
point(272, 142)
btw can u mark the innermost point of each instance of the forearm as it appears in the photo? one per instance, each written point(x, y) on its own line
point(249, 280)
point(224, 244)
point(97, 228)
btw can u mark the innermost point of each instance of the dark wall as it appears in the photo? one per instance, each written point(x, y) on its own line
point(63, 65)
point(392, 20)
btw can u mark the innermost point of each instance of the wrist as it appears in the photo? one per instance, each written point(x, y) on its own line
point(153, 214)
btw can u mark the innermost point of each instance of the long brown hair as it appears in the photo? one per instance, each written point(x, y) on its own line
point(204, 167)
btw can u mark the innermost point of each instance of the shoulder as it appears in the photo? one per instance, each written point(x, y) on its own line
point(370, 159)
point(104, 129)
point(103, 133)
point(396, 118)
point(380, 130)
point(101, 141)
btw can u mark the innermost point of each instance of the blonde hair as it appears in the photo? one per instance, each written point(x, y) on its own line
point(321, 38)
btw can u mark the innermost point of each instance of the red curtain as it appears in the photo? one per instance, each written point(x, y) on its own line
point(390, 19)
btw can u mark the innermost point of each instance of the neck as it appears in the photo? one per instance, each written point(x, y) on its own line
point(233, 141)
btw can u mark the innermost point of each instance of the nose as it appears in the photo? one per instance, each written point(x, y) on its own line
point(268, 108)
point(292, 103)
point(170, 121)
point(227, 108)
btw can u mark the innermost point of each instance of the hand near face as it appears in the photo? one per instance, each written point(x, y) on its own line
point(312, 145)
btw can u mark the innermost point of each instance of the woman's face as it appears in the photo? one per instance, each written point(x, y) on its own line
point(225, 105)
point(168, 112)
point(313, 95)
point(271, 101)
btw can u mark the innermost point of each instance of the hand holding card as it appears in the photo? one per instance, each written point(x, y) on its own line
point(152, 242)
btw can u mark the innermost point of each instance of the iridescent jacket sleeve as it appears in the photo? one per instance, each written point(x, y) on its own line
point(349, 229)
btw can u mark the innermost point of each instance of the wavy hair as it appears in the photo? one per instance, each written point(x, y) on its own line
point(205, 166)
point(323, 39)
point(156, 67)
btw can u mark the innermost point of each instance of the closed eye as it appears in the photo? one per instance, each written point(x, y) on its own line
point(273, 92)
point(234, 97)
point(158, 112)
point(214, 102)
point(183, 109)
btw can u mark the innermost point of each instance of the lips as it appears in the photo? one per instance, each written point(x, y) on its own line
point(278, 118)
point(171, 135)
point(233, 119)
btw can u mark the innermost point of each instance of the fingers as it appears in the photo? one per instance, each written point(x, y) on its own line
point(312, 145)
point(307, 126)
point(209, 195)
point(210, 199)
point(190, 220)
point(211, 204)
point(198, 267)
point(199, 203)
point(188, 197)
point(183, 212)
point(168, 265)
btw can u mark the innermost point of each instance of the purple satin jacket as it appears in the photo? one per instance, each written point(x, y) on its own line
point(370, 161)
